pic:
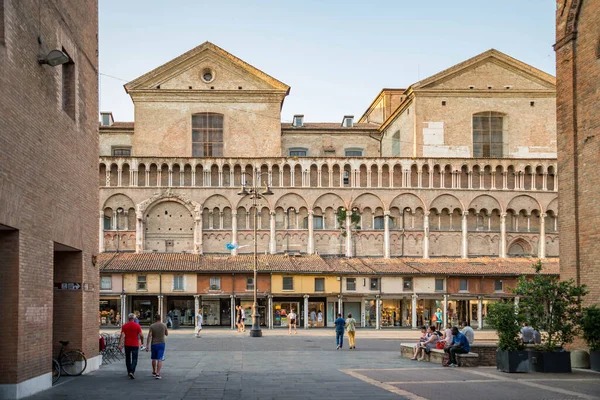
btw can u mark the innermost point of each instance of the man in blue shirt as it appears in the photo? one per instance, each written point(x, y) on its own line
point(460, 345)
point(340, 325)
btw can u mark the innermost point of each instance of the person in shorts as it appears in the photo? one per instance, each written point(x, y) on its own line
point(156, 339)
point(292, 316)
point(242, 319)
point(238, 318)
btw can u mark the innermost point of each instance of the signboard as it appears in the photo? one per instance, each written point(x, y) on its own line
point(67, 285)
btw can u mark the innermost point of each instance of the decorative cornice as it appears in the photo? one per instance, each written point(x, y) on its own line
point(207, 96)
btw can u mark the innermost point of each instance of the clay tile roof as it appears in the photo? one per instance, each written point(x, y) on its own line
point(328, 126)
point(178, 262)
point(118, 126)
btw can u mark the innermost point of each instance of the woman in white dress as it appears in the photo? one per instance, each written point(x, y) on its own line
point(198, 323)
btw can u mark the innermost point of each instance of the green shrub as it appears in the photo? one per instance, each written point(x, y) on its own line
point(505, 319)
point(590, 325)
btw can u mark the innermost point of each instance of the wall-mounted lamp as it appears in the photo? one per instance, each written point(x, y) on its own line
point(54, 58)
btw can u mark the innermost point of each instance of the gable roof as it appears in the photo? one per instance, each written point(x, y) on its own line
point(491, 54)
point(206, 46)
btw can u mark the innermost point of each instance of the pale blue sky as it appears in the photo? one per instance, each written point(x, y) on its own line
point(336, 55)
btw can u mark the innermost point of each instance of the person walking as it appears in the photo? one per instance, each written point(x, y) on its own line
point(199, 319)
point(169, 319)
point(340, 325)
point(131, 336)
point(313, 319)
point(243, 319)
point(156, 339)
point(238, 318)
point(320, 318)
point(292, 316)
point(351, 328)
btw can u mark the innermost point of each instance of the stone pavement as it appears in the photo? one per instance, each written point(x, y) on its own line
point(226, 365)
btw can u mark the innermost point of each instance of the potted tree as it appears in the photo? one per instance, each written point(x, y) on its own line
point(510, 356)
point(553, 308)
point(590, 325)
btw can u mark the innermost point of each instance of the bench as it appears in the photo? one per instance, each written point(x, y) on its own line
point(470, 359)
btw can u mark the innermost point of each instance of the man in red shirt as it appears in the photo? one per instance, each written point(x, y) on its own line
point(132, 333)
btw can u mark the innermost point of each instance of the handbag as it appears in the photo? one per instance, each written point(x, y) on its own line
point(440, 345)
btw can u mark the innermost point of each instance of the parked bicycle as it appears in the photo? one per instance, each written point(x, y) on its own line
point(71, 362)
point(55, 371)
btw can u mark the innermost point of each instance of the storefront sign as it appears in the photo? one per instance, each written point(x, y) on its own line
point(67, 285)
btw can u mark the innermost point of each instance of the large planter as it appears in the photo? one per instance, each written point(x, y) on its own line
point(550, 361)
point(512, 361)
point(595, 360)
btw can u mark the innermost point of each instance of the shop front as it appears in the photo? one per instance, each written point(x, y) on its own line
point(110, 311)
point(247, 304)
point(145, 307)
point(282, 308)
point(393, 312)
point(182, 308)
point(316, 312)
point(427, 309)
point(216, 311)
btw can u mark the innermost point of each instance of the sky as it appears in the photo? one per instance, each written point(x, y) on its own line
point(335, 55)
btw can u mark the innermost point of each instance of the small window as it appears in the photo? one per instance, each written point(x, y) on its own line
point(464, 285)
point(319, 284)
point(68, 87)
point(107, 223)
point(348, 121)
point(374, 283)
point(215, 283)
point(379, 223)
point(498, 286)
point(350, 284)
point(178, 282)
point(207, 135)
point(346, 178)
point(439, 285)
point(407, 284)
point(105, 282)
point(298, 120)
point(396, 144)
point(298, 152)
point(249, 283)
point(354, 152)
point(488, 134)
point(288, 283)
point(121, 151)
point(141, 282)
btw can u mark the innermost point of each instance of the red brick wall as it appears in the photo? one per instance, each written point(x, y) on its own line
point(9, 260)
point(231, 283)
point(48, 160)
point(578, 131)
point(478, 285)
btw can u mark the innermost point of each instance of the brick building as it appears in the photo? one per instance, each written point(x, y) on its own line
point(460, 165)
point(48, 191)
point(578, 123)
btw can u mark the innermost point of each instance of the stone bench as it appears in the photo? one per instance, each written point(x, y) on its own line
point(471, 359)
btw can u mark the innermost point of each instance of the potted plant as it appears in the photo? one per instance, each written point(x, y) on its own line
point(590, 325)
point(510, 356)
point(553, 308)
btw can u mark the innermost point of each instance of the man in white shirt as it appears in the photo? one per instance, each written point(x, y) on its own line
point(313, 318)
point(467, 331)
point(198, 323)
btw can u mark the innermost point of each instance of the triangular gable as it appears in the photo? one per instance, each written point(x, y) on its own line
point(492, 68)
point(186, 62)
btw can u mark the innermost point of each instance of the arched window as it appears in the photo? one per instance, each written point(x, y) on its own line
point(396, 144)
point(207, 135)
point(488, 134)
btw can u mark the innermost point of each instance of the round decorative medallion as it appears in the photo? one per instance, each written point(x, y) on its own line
point(208, 75)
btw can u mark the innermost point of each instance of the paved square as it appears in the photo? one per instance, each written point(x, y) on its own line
point(226, 365)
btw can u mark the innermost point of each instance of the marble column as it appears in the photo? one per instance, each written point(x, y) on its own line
point(377, 312)
point(272, 237)
point(198, 233)
point(445, 313)
point(426, 234)
point(232, 297)
point(305, 311)
point(503, 235)
point(311, 232)
point(386, 234)
point(542, 239)
point(196, 307)
point(348, 233)
point(465, 239)
point(234, 231)
point(479, 313)
point(414, 311)
point(139, 232)
point(270, 311)
point(124, 312)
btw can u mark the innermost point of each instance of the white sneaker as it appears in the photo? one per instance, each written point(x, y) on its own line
point(142, 348)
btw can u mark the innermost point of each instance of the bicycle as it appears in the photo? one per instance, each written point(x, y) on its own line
point(72, 362)
point(55, 371)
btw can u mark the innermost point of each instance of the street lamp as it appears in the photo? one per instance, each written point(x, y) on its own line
point(403, 234)
point(255, 194)
point(119, 212)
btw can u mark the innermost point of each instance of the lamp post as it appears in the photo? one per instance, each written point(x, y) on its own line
point(253, 191)
point(119, 212)
point(403, 234)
